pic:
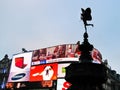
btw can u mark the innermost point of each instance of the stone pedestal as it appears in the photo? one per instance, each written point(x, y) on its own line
point(85, 75)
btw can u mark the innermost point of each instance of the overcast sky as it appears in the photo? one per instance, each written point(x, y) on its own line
point(35, 24)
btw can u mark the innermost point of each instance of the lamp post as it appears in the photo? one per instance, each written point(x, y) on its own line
point(86, 75)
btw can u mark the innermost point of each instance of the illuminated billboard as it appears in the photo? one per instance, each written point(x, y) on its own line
point(96, 55)
point(30, 85)
point(20, 67)
point(44, 72)
point(59, 53)
point(62, 53)
point(31, 66)
point(62, 84)
point(62, 70)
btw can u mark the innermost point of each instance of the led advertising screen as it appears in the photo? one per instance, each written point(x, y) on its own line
point(44, 72)
point(30, 85)
point(39, 56)
point(20, 67)
point(62, 84)
point(21, 63)
point(61, 70)
point(96, 55)
point(60, 53)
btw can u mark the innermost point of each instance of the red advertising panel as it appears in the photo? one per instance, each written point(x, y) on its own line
point(44, 72)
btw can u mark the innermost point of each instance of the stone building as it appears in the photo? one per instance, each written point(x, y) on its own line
point(4, 70)
point(113, 81)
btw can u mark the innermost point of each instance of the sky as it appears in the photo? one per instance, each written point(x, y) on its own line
point(35, 24)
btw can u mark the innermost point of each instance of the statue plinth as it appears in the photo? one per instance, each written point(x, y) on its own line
point(86, 73)
point(85, 49)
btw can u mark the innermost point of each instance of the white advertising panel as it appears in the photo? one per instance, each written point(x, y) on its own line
point(61, 70)
point(62, 84)
point(62, 60)
point(20, 67)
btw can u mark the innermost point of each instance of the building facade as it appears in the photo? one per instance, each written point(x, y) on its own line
point(5, 64)
point(29, 70)
point(113, 81)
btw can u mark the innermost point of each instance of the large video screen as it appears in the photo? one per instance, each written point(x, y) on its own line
point(60, 53)
point(31, 85)
point(44, 72)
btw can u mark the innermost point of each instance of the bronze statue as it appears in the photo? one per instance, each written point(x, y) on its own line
point(86, 16)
